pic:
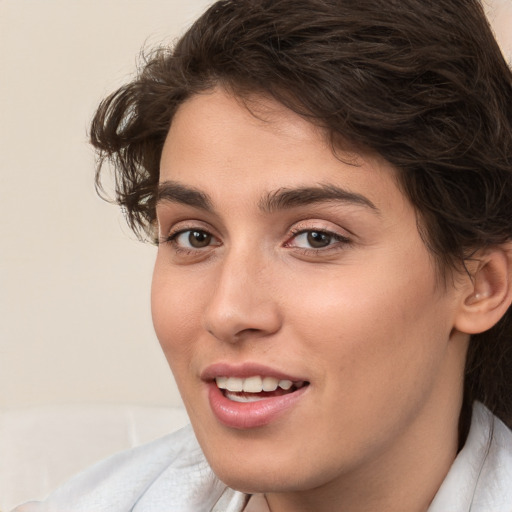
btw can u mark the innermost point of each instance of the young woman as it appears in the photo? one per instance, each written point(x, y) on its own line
point(330, 186)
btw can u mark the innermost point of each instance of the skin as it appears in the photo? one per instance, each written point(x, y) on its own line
point(363, 318)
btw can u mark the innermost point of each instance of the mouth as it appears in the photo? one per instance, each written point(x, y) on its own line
point(252, 395)
point(256, 387)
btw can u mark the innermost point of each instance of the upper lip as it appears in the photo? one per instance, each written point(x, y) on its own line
point(245, 370)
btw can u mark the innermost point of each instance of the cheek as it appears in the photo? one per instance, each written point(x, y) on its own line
point(372, 326)
point(174, 306)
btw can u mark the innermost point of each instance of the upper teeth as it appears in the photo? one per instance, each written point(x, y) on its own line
point(254, 384)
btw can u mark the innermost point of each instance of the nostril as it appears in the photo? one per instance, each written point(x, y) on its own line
point(250, 331)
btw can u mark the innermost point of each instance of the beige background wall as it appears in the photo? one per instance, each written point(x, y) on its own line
point(74, 284)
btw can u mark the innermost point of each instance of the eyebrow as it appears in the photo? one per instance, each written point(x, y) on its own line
point(287, 198)
point(174, 192)
point(281, 199)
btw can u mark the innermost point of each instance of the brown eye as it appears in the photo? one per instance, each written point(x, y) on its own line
point(318, 239)
point(192, 239)
point(199, 239)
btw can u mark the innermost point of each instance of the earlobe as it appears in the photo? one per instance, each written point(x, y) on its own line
point(488, 295)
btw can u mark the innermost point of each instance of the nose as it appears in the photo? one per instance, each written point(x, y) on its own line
point(242, 304)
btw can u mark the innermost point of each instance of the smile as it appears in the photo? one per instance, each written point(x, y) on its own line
point(254, 388)
point(253, 401)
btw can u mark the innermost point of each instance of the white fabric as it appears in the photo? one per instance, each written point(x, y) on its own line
point(480, 479)
point(169, 474)
point(43, 446)
point(172, 475)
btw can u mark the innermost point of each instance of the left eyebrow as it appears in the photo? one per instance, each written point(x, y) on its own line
point(286, 198)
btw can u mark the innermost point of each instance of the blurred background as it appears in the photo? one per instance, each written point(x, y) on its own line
point(75, 323)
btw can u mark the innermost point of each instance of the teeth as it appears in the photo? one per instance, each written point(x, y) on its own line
point(221, 382)
point(270, 384)
point(235, 384)
point(285, 384)
point(243, 398)
point(255, 384)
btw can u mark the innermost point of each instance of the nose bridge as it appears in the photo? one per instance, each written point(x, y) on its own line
point(242, 302)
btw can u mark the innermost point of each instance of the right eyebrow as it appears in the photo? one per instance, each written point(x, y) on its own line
point(174, 192)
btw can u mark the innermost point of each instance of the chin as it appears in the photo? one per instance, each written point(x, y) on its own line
point(263, 473)
point(258, 481)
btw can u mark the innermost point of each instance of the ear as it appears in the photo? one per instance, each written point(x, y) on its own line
point(487, 295)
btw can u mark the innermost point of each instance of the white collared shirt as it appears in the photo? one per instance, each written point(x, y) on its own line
point(172, 475)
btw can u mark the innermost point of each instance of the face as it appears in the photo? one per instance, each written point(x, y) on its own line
point(295, 301)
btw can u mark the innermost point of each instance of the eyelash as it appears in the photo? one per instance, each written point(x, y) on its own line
point(172, 240)
point(339, 241)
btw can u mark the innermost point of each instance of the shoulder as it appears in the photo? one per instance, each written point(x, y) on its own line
point(170, 472)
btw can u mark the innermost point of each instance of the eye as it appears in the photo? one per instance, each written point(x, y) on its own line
point(192, 239)
point(316, 239)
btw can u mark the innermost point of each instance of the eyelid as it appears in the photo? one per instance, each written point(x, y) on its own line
point(185, 252)
point(333, 234)
point(320, 225)
point(341, 240)
point(177, 234)
point(182, 226)
point(173, 238)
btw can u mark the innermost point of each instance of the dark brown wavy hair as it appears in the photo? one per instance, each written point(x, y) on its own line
point(423, 83)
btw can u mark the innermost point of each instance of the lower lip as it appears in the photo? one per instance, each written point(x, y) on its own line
point(247, 415)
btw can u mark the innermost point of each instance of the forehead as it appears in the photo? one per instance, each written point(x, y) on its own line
point(227, 145)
